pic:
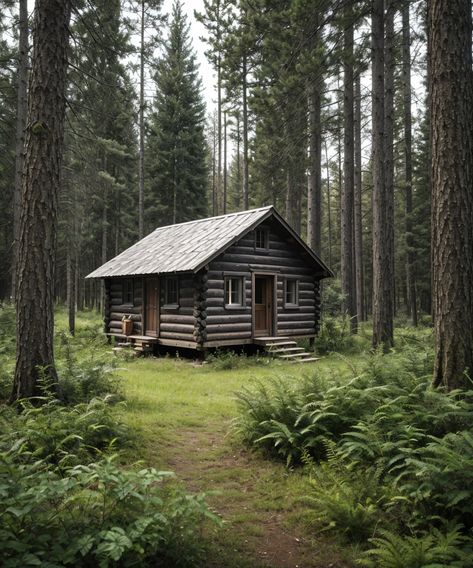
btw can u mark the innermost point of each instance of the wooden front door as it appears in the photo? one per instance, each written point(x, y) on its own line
point(152, 307)
point(263, 293)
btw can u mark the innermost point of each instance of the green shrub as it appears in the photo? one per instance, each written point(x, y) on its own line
point(433, 549)
point(84, 371)
point(95, 515)
point(351, 502)
point(62, 435)
point(334, 335)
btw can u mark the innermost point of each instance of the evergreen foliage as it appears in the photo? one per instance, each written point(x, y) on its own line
point(177, 169)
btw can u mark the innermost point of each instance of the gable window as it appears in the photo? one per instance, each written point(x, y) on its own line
point(261, 239)
point(171, 291)
point(234, 287)
point(291, 293)
point(127, 291)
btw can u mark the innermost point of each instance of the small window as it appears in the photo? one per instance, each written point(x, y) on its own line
point(234, 291)
point(261, 238)
point(171, 297)
point(127, 291)
point(291, 293)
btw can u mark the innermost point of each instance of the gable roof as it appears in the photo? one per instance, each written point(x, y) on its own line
point(187, 247)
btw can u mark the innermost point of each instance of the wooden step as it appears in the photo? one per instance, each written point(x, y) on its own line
point(286, 350)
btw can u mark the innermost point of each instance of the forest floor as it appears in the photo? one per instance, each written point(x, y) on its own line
point(184, 414)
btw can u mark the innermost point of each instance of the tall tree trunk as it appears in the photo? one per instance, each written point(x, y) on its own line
point(451, 107)
point(239, 193)
point(219, 130)
point(389, 64)
point(406, 87)
point(246, 180)
point(224, 162)
point(21, 106)
point(358, 217)
point(41, 181)
point(141, 166)
point(329, 206)
point(382, 281)
point(347, 190)
point(214, 168)
point(314, 197)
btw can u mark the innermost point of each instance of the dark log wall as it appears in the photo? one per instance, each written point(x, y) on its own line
point(284, 258)
point(178, 323)
point(117, 309)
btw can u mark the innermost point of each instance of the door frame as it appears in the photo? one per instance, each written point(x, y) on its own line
point(145, 305)
point(273, 276)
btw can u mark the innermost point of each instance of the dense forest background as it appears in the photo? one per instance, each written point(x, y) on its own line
point(292, 127)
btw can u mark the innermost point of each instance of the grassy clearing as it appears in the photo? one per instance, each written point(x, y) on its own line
point(184, 414)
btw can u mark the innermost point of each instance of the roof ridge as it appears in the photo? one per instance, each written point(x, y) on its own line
point(265, 208)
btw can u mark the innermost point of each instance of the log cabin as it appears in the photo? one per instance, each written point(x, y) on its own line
point(236, 279)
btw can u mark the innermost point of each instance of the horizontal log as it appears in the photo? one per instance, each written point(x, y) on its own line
point(225, 266)
point(227, 342)
point(177, 318)
point(177, 327)
point(185, 344)
point(229, 318)
point(172, 335)
point(271, 259)
point(294, 325)
point(303, 332)
point(216, 307)
point(215, 293)
point(120, 315)
point(296, 317)
point(230, 335)
point(217, 329)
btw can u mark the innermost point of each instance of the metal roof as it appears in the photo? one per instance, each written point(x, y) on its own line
point(187, 247)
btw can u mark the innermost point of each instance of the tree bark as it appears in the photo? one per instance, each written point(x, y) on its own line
point(41, 182)
point(224, 162)
point(389, 64)
point(358, 217)
point(22, 80)
point(246, 180)
point(314, 196)
point(451, 107)
point(347, 190)
point(406, 87)
point(141, 165)
point(382, 282)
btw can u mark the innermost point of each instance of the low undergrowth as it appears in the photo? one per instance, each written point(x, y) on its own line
point(389, 458)
point(65, 497)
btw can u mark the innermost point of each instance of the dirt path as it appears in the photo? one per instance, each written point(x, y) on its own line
point(252, 500)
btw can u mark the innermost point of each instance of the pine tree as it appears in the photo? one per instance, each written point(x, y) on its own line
point(41, 182)
point(451, 104)
point(177, 151)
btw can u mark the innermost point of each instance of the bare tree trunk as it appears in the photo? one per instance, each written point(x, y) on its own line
point(382, 282)
point(246, 180)
point(41, 181)
point(358, 217)
point(329, 207)
point(347, 190)
point(141, 166)
point(238, 156)
point(389, 64)
point(219, 130)
point(214, 168)
point(451, 107)
point(21, 105)
point(314, 197)
point(224, 162)
point(406, 84)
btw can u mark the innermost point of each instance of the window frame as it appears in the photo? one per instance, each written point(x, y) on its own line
point(233, 306)
point(128, 287)
point(294, 281)
point(265, 233)
point(167, 305)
